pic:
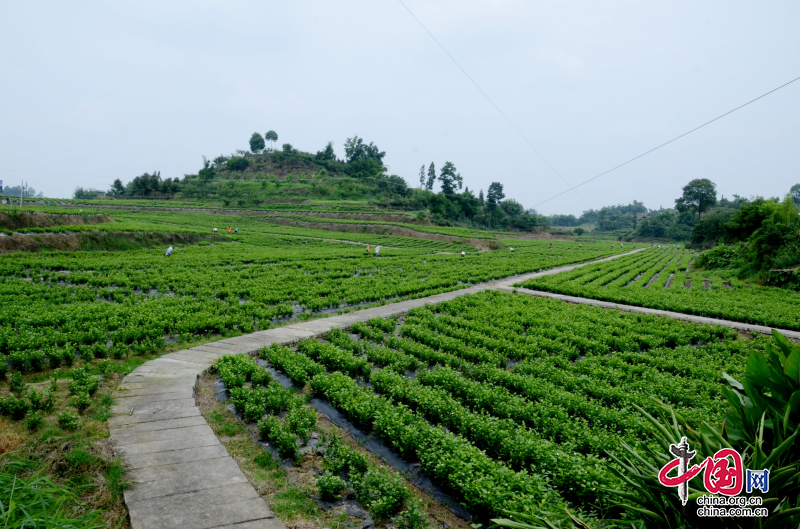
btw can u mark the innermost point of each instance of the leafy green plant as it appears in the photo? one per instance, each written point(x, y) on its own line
point(34, 420)
point(382, 492)
point(68, 421)
point(412, 517)
point(330, 486)
point(340, 457)
point(44, 400)
point(83, 382)
point(301, 420)
point(14, 407)
point(81, 401)
point(283, 440)
point(15, 383)
point(760, 423)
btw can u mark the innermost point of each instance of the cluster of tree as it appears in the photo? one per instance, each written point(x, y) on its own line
point(15, 191)
point(360, 174)
point(449, 207)
point(756, 236)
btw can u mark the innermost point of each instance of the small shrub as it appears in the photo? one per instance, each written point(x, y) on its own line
point(81, 401)
point(203, 243)
point(83, 382)
point(86, 353)
point(412, 517)
point(68, 355)
point(340, 457)
point(382, 492)
point(14, 407)
point(253, 411)
point(284, 441)
point(44, 401)
point(34, 420)
point(53, 356)
point(105, 367)
point(99, 350)
point(237, 163)
point(15, 382)
point(36, 358)
point(68, 421)
point(119, 351)
point(330, 486)
point(301, 420)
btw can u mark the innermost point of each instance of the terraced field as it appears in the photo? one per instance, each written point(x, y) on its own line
point(56, 304)
point(658, 278)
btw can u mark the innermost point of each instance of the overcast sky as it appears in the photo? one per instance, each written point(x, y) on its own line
point(93, 91)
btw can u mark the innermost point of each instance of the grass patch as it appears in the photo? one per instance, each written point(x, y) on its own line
point(71, 470)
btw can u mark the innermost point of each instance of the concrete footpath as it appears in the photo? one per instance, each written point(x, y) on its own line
point(182, 476)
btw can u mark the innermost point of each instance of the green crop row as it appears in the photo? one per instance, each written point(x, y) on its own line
point(769, 306)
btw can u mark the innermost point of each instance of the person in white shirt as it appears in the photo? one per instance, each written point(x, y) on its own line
point(169, 252)
point(463, 254)
point(377, 251)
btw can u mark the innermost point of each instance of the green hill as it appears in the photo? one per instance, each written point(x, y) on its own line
point(301, 182)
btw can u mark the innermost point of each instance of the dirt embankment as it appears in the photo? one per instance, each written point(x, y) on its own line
point(15, 220)
point(386, 217)
point(100, 241)
point(394, 231)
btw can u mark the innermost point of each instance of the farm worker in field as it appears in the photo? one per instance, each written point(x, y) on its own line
point(236, 230)
point(169, 252)
point(213, 230)
point(551, 244)
point(229, 229)
point(377, 251)
point(368, 250)
point(580, 246)
point(512, 249)
point(463, 254)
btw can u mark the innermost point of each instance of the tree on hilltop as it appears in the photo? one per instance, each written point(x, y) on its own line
point(699, 195)
point(449, 179)
point(795, 193)
point(422, 177)
point(431, 177)
point(271, 137)
point(493, 197)
point(256, 143)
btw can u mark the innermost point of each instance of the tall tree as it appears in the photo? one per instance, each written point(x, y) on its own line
point(493, 197)
point(431, 177)
point(117, 189)
point(795, 193)
point(495, 194)
point(256, 143)
point(271, 137)
point(327, 153)
point(480, 196)
point(699, 195)
point(422, 177)
point(449, 179)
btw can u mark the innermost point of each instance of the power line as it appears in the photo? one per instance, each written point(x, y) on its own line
point(670, 141)
point(493, 103)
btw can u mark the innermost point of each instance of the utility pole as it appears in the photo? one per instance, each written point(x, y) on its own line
point(21, 192)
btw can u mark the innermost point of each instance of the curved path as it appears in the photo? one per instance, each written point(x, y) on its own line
point(182, 476)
